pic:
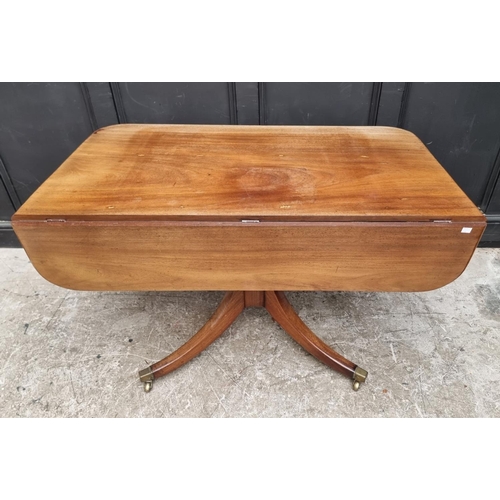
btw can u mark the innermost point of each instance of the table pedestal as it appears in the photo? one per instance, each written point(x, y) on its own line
point(229, 309)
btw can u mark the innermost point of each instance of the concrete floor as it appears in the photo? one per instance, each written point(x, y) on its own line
point(76, 354)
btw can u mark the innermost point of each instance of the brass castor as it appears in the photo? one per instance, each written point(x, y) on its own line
point(358, 377)
point(146, 376)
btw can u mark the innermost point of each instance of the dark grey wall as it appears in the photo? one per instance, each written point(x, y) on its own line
point(174, 103)
point(6, 207)
point(41, 124)
point(494, 206)
point(316, 103)
point(460, 124)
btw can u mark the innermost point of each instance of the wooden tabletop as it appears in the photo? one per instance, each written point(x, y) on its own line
point(292, 173)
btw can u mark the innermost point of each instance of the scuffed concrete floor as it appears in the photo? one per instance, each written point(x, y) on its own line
point(76, 354)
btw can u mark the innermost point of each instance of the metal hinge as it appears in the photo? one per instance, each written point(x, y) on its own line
point(443, 220)
point(250, 221)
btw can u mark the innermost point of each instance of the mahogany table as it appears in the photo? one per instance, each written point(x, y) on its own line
point(254, 211)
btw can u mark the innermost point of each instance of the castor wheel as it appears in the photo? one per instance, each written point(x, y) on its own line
point(359, 376)
point(146, 376)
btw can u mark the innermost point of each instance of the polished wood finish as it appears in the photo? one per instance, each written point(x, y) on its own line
point(229, 309)
point(254, 299)
point(183, 207)
point(226, 256)
point(282, 173)
point(284, 314)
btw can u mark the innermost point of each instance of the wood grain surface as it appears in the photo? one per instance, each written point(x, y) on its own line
point(373, 256)
point(281, 173)
point(286, 316)
point(188, 207)
point(229, 309)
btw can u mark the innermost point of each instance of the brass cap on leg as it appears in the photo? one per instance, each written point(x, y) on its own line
point(358, 376)
point(146, 375)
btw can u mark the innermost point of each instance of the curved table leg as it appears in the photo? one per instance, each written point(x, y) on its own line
point(229, 309)
point(282, 311)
